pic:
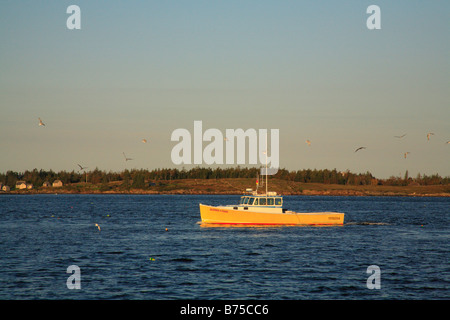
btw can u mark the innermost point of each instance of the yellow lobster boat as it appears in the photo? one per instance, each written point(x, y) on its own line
point(265, 209)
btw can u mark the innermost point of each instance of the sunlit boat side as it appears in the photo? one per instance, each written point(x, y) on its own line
point(265, 209)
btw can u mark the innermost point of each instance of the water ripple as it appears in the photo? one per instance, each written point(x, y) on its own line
point(133, 257)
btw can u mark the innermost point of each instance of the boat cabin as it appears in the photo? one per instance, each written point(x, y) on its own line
point(261, 201)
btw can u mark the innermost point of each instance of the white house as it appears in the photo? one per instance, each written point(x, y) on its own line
point(57, 183)
point(21, 185)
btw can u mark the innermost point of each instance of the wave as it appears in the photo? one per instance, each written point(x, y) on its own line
point(183, 260)
point(367, 223)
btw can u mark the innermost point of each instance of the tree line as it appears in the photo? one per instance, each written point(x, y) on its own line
point(141, 177)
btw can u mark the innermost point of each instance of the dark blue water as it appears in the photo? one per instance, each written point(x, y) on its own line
point(134, 257)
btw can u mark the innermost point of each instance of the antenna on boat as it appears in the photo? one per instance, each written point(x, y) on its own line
point(266, 164)
point(257, 181)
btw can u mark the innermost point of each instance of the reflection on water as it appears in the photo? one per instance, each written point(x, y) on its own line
point(261, 226)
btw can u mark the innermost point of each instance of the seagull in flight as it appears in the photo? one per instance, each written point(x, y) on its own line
point(82, 168)
point(308, 142)
point(126, 159)
point(429, 134)
point(360, 149)
point(400, 136)
point(41, 123)
point(406, 153)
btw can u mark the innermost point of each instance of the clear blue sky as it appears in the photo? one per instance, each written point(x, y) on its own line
point(141, 69)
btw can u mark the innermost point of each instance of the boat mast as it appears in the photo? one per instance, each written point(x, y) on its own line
point(257, 181)
point(266, 164)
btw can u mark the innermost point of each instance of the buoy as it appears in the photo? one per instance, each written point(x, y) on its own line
point(167, 229)
point(151, 259)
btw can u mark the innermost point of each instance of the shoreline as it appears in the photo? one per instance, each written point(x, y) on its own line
point(312, 193)
point(238, 186)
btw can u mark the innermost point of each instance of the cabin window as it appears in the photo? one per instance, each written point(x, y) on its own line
point(278, 201)
point(250, 202)
point(262, 201)
point(241, 201)
point(256, 202)
point(245, 200)
point(270, 201)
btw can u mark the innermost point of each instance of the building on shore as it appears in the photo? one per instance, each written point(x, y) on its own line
point(57, 183)
point(21, 184)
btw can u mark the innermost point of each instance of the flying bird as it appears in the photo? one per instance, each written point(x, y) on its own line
point(406, 153)
point(82, 168)
point(400, 136)
point(126, 159)
point(429, 134)
point(41, 123)
point(308, 142)
point(360, 149)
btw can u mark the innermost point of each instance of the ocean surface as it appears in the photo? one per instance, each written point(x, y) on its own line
point(133, 256)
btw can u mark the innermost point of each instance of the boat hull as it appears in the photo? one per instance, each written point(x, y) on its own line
point(230, 215)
